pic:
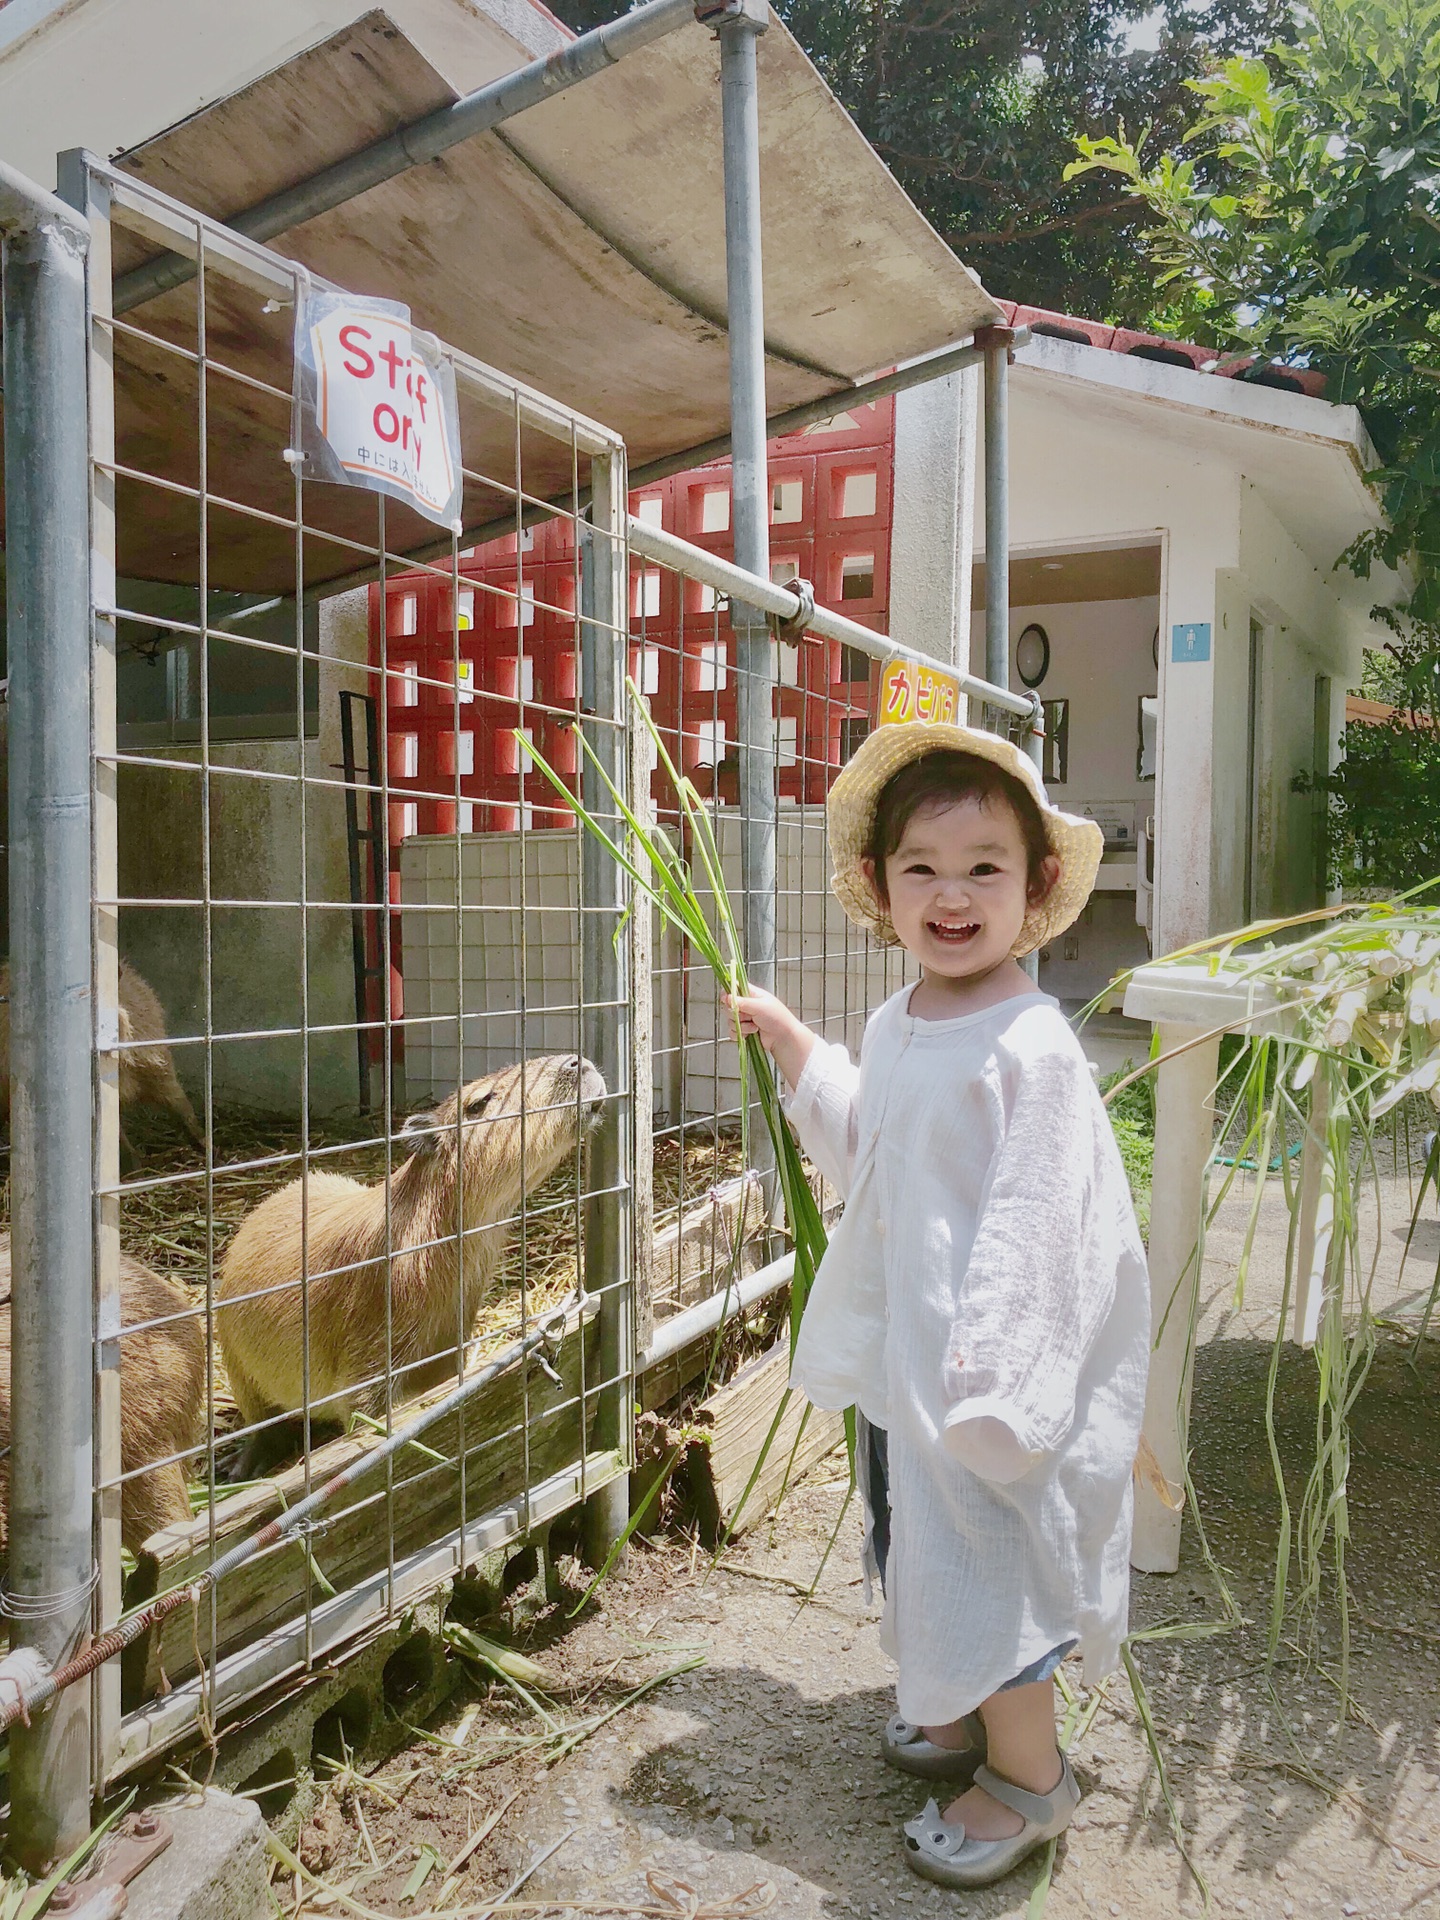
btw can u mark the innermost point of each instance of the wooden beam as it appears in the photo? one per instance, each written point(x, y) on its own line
point(515, 1432)
point(738, 1419)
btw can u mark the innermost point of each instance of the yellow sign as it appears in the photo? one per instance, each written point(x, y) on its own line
point(910, 691)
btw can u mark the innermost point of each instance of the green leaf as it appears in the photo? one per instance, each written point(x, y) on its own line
point(427, 1863)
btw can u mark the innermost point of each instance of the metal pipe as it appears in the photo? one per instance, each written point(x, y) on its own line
point(997, 343)
point(51, 1479)
point(604, 974)
point(27, 1700)
point(669, 550)
point(737, 29)
point(424, 139)
point(915, 373)
point(672, 1336)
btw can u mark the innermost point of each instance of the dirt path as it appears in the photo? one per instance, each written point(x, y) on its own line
point(761, 1764)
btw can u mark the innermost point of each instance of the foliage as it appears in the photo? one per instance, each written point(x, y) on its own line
point(703, 917)
point(1357, 1006)
point(1320, 245)
point(1132, 1116)
point(974, 108)
point(1137, 1154)
point(1384, 797)
point(24, 1899)
point(1384, 806)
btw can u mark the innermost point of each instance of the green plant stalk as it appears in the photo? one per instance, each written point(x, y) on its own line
point(1152, 1740)
point(1386, 957)
point(670, 888)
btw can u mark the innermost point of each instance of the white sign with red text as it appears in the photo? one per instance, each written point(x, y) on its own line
point(375, 402)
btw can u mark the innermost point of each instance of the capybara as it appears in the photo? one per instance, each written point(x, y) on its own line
point(147, 1073)
point(162, 1396)
point(434, 1293)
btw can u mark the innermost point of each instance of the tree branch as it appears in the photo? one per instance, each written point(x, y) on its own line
point(1066, 223)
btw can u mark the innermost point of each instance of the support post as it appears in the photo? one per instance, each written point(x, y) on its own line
point(51, 1475)
point(997, 343)
point(1184, 1112)
point(738, 27)
point(605, 987)
point(643, 759)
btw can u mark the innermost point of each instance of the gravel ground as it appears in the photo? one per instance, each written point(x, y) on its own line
point(760, 1766)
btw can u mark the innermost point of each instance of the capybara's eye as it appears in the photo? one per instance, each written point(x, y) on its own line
point(478, 1104)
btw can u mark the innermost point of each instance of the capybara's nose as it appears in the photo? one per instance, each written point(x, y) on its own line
point(592, 1085)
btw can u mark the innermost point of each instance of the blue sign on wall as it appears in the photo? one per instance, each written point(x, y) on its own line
point(1190, 642)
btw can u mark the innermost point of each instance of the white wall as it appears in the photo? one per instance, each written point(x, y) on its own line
point(1101, 661)
point(255, 858)
point(1085, 472)
point(932, 516)
point(1307, 630)
point(1080, 475)
point(827, 970)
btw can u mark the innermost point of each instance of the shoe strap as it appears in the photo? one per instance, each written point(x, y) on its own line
point(904, 1733)
point(1038, 1808)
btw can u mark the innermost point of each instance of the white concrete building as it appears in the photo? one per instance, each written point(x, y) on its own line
point(1175, 538)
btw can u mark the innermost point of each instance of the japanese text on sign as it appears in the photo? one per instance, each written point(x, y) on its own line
point(910, 691)
point(376, 402)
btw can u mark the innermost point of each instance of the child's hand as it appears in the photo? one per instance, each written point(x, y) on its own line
point(781, 1034)
point(760, 1012)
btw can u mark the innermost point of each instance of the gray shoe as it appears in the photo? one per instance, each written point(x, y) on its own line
point(905, 1746)
point(940, 1851)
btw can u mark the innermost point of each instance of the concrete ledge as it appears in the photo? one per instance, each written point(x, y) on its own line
point(216, 1867)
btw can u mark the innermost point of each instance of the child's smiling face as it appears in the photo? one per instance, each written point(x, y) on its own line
point(958, 886)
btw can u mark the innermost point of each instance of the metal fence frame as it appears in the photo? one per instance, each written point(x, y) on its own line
point(48, 593)
point(68, 544)
point(88, 1742)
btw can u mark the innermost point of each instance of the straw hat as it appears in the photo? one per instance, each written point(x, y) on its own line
point(850, 814)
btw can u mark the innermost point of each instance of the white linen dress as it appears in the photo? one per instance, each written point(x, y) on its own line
point(984, 1299)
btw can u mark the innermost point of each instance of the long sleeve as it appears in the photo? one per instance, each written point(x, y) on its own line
point(823, 1112)
point(1040, 1277)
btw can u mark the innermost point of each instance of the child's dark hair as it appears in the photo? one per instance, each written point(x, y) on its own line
point(946, 778)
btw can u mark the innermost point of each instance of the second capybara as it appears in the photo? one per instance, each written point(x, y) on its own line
point(147, 1072)
point(472, 1158)
point(162, 1397)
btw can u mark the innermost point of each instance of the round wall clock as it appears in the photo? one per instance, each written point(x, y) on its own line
point(1032, 655)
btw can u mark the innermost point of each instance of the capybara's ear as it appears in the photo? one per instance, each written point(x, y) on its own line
point(421, 1133)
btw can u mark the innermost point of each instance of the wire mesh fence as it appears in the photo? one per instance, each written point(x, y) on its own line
point(406, 1131)
point(292, 1262)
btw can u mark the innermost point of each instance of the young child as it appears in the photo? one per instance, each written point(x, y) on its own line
point(984, 1301)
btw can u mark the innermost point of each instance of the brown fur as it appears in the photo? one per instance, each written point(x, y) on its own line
point(433, 1293)
point(162, 1396)
point(147, 1074)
